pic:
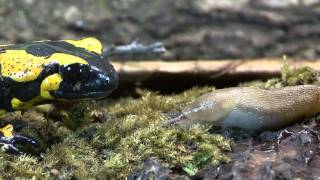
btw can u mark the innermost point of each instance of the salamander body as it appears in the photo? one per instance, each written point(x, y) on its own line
point(49, 71)
point(46, 71)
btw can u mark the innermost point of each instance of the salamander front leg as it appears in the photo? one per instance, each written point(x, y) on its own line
point(8, 140)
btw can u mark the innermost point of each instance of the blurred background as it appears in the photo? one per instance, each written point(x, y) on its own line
point(190, 29)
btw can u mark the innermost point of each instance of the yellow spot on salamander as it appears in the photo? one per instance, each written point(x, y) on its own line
point(23, 67)
point(20, 66)
point(20, 105)
point(64, 59)
point(50, 83)
point(16, 103)
point(90, 44)
point(7, 131)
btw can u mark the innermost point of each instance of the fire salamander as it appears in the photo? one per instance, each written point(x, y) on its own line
point(48, 71)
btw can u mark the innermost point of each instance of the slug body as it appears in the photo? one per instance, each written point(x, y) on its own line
point(49, 71)
point(253, 109)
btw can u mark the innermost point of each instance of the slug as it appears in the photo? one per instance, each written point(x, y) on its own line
point(252, 109)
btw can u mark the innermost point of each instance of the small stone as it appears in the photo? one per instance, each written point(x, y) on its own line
point(72, 14)
point(309, 2)
point(54, 172)
point(305, 138)
point(278, 4)
point(151, 169)
point(209, 5)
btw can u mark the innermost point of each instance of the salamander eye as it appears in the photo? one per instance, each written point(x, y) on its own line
point(75, 72)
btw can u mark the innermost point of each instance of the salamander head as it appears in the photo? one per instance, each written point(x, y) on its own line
point(80, 81)
point(80, 76)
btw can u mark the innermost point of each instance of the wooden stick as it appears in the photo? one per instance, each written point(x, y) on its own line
point(132, 71)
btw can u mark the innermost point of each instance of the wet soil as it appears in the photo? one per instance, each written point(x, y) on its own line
point(289, 153)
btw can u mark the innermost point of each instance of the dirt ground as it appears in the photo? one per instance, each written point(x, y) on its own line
point(202, 29)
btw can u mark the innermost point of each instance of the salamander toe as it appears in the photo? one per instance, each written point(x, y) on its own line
point(9, 140)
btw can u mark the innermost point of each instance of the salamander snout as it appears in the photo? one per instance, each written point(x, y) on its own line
point(81, 81)
point(106, 81)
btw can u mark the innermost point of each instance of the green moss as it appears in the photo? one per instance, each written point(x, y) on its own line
point(138, 133)
point(289, 77)
point(78, 116)
point(298, 76)
point(113, 138)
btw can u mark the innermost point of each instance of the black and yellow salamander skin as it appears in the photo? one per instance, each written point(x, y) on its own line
point(48, 71)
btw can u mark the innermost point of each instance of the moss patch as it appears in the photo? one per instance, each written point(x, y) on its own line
point(289, 77)
point(113, 139)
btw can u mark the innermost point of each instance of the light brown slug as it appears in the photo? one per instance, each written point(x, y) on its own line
point(252, 109)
